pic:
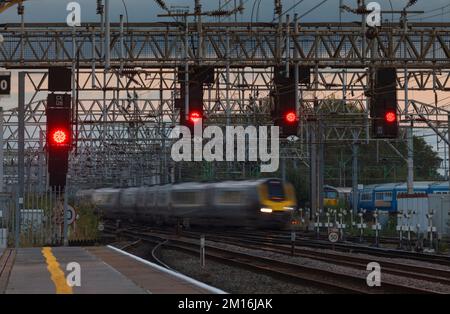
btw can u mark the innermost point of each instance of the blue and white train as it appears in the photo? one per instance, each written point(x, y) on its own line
point(384, 196)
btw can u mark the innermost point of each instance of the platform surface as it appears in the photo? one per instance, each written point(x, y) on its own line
point(102, 271)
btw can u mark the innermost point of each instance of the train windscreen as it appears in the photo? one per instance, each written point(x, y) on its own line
point(331, 194)
point(276, 190)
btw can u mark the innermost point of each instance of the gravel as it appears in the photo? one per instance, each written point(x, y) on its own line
point(228, 278)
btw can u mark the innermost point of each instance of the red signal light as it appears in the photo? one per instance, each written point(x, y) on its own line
point(390, 117)
point(290, 117)
point(59, 137)
point(195, 116)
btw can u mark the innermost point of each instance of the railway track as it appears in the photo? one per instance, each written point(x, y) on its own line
point(288, 271)
point(283, 238)
point(367, 239)
point(405, 270)
point(6, 264)
point(352, 244)
point(439, 259)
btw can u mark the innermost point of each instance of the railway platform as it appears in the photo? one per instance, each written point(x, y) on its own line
point(88, 270)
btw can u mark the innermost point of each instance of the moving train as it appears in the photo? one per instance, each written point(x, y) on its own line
point(257, 203)
point(384, 196)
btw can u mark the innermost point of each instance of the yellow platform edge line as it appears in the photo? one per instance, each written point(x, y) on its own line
point(56, 273)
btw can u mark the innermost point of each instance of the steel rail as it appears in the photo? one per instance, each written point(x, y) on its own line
point(286, 270)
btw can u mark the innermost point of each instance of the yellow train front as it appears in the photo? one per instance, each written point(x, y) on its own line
point(261, 203)
point(277, 202)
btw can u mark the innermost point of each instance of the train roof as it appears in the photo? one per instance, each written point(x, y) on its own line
point(445, 185)
point(344, 190)
point(403, 186)
point(189, 186)
point(387, 186)
point(107, 190)
point(417, 185)
point(338, 189)
point(229, 184)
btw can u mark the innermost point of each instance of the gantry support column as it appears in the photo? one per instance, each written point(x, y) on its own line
point(1, 150)
point(21, 156)
point(355, 196)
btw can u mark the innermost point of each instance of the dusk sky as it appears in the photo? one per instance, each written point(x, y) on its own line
point(147, 10)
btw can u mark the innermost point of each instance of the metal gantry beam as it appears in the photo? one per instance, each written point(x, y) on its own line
point(427, 45)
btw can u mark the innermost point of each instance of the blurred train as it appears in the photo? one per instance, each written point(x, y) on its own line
point(384, 196)
point(257, 203)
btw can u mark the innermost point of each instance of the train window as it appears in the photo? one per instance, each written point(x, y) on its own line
point(331, 194)
point(186, 198)
point(109, 198)
point(128, 198)
point(366, 196)
point(230, 197)
point(276, 190)
point(149, 198)
point(162, 198)
point(383, 196)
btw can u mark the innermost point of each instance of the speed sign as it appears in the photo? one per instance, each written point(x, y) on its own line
point(5, 84)
point(71, 215)
point(333, 237)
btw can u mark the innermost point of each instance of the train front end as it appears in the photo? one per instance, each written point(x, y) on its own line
point(277, 202)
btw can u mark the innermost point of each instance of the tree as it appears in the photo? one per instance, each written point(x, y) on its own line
point(379, 163)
